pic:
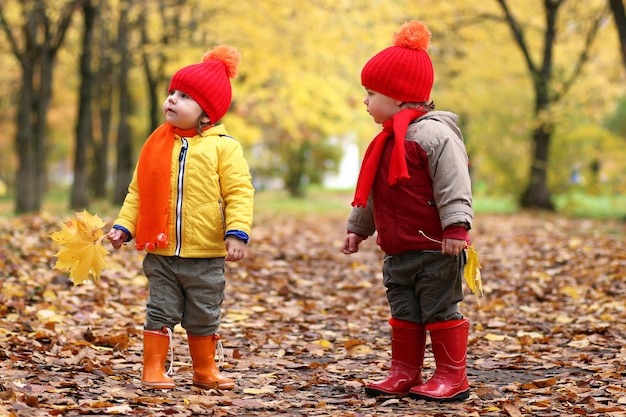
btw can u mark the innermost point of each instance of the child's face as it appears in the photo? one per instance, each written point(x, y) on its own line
point(182, 111)
point(380, 106)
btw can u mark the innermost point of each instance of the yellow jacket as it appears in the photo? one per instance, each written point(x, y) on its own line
point(211, 193)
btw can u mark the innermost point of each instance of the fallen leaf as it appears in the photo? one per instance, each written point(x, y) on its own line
point(471, 273)
point(82, 252)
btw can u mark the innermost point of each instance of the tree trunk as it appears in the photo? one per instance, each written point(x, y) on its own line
point(153, 56)
point(40, 80)
point(619, 17)
point(104, 104)
point(153, 78)
point(294, 177)
point(84, 127)
point(26, 185)
point(536, 194)
point(548, 93)
point(43, 104)
point(124, 167)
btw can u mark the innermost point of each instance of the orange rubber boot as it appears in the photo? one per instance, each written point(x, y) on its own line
point(206, 374)
point(408, 341)
point(155, 346)
point(449, 344)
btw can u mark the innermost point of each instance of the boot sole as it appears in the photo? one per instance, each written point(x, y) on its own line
point(462, 396)
point(213, 385)
point(158, 385)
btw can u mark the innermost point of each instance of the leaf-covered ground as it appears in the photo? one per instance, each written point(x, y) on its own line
point(305, 326)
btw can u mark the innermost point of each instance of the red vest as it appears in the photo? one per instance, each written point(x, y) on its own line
point(403, 209)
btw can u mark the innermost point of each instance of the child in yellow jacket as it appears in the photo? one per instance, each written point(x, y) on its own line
point(190, 206)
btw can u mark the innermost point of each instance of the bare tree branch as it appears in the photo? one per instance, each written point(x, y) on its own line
point(518, 35)
point(584, 54)
point(63, 24)
point(7, 31)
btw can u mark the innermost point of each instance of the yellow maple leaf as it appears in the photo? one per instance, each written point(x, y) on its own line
point(81, 252)
point(471, 272)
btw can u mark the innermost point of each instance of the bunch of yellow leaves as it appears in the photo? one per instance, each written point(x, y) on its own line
point(82, 252)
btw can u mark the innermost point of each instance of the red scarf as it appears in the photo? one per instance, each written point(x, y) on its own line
point(153, 181)
point(395, 127)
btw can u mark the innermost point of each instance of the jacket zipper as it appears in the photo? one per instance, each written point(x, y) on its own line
point(182, 158)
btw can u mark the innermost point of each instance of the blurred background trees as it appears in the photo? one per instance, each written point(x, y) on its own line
point(539, 86)
point(34, 38)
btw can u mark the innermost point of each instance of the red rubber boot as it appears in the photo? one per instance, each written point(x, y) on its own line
point(449, 344)
point(408, 341)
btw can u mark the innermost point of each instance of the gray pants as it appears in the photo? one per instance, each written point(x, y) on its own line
point(184, 290)
point(424, 286)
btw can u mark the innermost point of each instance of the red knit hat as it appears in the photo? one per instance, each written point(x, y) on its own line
point(403, 71)
point(208, 82)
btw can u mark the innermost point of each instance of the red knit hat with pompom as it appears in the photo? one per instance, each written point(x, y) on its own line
point(208, 82)
point(403, 71)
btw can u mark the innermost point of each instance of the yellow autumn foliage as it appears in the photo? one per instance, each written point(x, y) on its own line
point(471, 272)
point(82, 253)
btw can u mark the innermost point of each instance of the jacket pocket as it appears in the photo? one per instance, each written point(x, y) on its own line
point(206, 226)
point(439, 266)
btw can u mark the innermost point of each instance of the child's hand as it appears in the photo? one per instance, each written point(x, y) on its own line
point(452, 246)
point(236, 249)
point(351, 243)
point(117, 237)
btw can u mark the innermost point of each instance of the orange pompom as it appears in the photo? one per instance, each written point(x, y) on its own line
point(228, 55)
point(413, 34)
